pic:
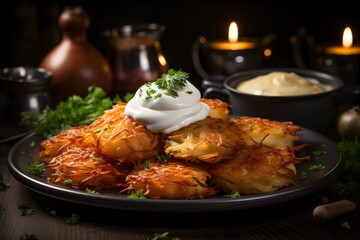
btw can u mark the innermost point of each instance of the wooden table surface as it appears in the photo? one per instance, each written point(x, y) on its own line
point(290, 220)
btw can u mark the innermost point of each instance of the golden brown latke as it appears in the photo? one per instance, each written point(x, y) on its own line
point(123, 139)
point(53, 146)
point(210, 140)
point(255, 169)
point(170, 180)
point(85, 167)
point(218, 108)
point(269, 132)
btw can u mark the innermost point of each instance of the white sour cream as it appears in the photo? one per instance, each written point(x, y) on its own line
point(282, 84)
point(167, 114)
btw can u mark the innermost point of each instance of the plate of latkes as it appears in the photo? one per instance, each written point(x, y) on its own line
point(322, 154)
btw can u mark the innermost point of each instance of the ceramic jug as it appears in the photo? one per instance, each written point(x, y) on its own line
point(135, 56)
point(75, 63)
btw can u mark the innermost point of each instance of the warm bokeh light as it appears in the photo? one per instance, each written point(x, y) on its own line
point(347, 38)
point(233, 32)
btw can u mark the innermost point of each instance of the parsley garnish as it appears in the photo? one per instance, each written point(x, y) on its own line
point(313, 168)
point(25, 210)
point(163, 236)
point(3, 184)
point(68, 182)
point(170, 82)
point(73, 219)
point(75, 111)
point(163, 157)
point(318, 153)
point(233, 195)
point(29, 237)
point(36, 169)
point(138, 194)
point(88, 190)
point(348, 185)
point(147, 164)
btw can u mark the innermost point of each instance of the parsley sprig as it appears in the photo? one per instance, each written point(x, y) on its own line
point(75, 111)
point(170, 82)
point(348, 184)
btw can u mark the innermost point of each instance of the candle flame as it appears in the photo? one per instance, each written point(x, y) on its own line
point(347, 38)
point(233, 32)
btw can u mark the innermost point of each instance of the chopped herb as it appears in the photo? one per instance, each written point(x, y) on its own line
point(313, 168)
point(171, 82)
point(318, 153)
point(164, 157)
point(251, 126)
point(73, 219)
point(101, 130)
point(68, 182)
point(32, 144)
point(147, 164)
point(218, 126)
point(29, 237)
point(316, 168)
point(138, 194)
point(25, 210)
point(88, 190)
point(233, 195)
point(36, 169)
point(163, 236)
point(348, 185)
point(128, 97)
point(97, 159)
point(3, 184)
point(304, 175)
point(197, 126)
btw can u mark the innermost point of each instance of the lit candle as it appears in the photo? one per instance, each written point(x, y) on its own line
point(232, 43)
point(347, 47)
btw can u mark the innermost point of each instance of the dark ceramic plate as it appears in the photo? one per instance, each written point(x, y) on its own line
point(27, 149)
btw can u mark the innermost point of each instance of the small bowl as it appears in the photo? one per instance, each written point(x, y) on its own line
point(22, 89)
point(318, 111)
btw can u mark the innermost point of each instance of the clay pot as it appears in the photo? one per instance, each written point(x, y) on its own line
point(75, 63)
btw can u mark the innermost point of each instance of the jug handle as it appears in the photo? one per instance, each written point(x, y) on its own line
point(196, 58)
point(297, 42)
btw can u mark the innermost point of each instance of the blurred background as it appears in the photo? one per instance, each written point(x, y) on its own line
point(30, 27)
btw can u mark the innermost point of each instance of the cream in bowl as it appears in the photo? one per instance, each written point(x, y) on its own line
point(315, 110)
point(281, 83)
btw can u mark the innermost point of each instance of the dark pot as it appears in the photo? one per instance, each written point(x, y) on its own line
point(22, 89)
point(318, 112)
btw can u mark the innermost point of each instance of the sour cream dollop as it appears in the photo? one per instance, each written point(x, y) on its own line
point(166, 114)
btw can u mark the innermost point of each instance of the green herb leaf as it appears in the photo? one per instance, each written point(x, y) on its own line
point(29, 237)
point(75, 111)
point(73, 219)
point(36, 169)
point(3, 184)
point(138, 194)
point(233, 195)
point(88, 190)
point(170, 82)
point(68, 182)
point(348, 185)
point(25, 210)
point(163, 157)
point(163, 236)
